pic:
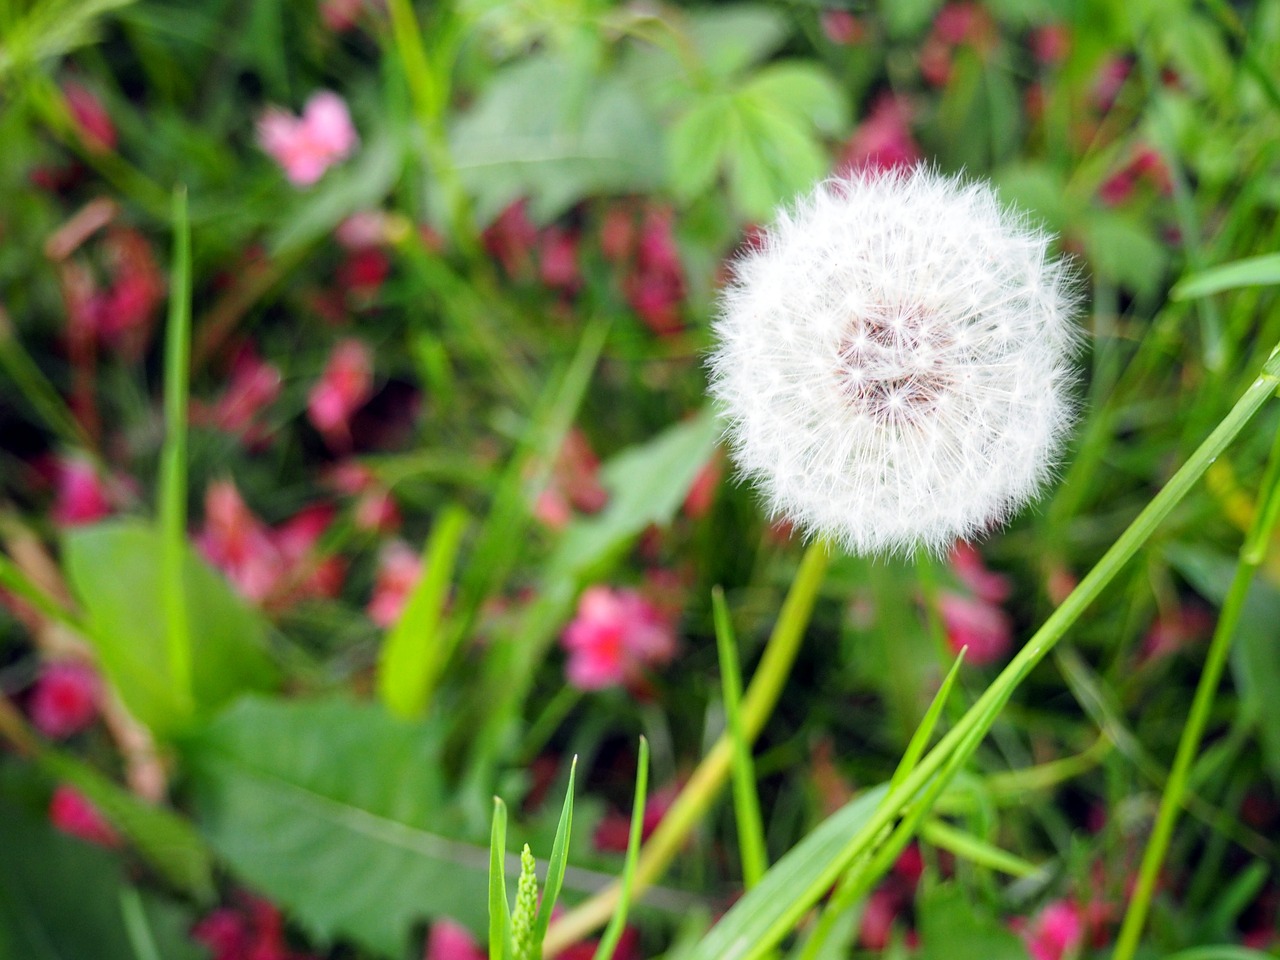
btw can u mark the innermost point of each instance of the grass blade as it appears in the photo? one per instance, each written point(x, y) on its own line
point(614, 931)
point(499, 910)
point(746, 803)
point(173, 457)
point(417, 649)
point(1251, 272)
point(559, 860)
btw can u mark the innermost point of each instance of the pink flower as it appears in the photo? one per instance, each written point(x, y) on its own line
point(252, 386)
point(365, 228)
point(343, 388)
point(1050, 44)
point(340, 15)
point(306, 146)
point(883, 140)
point(656, 287)
point(615, 635)
point(1176, 629)
point(878, 915)
point(558, 260)
point(72, 813)
point(81, 495)
point(93, 123)
point(510, 239)
point(253, 930)
point(273, 567)
point(451, 941)
point(375, 509)
point(363, 271)
point(574, 485)
point(399, 569)
point(982, 627)
point(1055, 933)
point(967, 565)
point(65, 699)
point(841, 27)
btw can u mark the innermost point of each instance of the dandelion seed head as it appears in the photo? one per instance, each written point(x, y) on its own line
point(894, 361)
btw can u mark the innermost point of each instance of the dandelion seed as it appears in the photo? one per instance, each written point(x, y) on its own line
point(893, 360)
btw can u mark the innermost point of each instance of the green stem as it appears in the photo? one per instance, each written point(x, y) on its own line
point(173, 463)
point(1177, 787)
point(708, 779)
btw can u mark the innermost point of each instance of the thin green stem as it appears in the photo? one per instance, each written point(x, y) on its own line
point(1177, 786)
point(704, 785)
point(173, 462)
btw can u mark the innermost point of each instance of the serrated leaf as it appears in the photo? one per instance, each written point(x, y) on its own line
point(61, 898)
point(695, 147)
point(803, 91)
point(337, 811)
point(773, 160)
point(545, 131)
point(112, 570)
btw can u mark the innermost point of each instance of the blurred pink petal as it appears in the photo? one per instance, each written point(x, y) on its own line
point(451, 941)
point(883, 140)
point(615, 635)
point(1055, 933)
point(65, 699)
point(306, 146)
point(72, 813)
point(344, 387)
point(81, 495)
point(92, 122)
point(983, 628)
point(967, 565)
point(399, 568)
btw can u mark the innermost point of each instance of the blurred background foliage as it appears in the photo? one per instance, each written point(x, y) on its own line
point(548, 192)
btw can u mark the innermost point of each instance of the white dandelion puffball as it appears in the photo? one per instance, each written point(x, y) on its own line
point(894, 360)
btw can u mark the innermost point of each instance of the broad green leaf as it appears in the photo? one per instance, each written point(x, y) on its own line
point(112, 570)
point(416, 650)
point(337, 811)
point(695, 147)
point(908, 17)
point(64, 899)
point(1255, 656)
point(1037, 189)
point(1253, 272)
point(804, 91)
point(769, 904)
point(1124, 251)
point(646, 484)
point(545, 131)
point(953, 928)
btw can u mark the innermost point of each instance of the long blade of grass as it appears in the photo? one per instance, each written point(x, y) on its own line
point(173, 457)
point(499, 909)
point(559, 860)
point(36, 388)
point(976, 850)
point(924, 732)
point(1251, 272)
point(613, 932)
point(418, 647)
point(746, 803)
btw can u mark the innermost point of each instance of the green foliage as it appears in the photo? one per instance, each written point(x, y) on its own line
point(333, 783)
point(952, 927)
point(112, 568)
point(63, 899)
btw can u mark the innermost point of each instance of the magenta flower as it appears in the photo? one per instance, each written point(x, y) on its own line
point(65, 699)
point(343, 388)
point(81, 494)
point(1056, 932)
point(307, 146)
point(92, 122)
point(72, 813)
point(616, 634)
point(883, 140)
point(451, 941)
point(399, 567)
point(982, 627)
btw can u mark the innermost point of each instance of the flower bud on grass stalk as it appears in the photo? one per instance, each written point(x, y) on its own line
point(894, 363)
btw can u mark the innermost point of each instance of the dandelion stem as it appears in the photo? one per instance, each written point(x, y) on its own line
point(710, 776)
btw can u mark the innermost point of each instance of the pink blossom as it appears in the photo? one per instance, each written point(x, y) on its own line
point(1176, 629)
point(1110, 81)
point(375, 509)
point(451, 941)
point(399, 569)
point(510, 239)
point(878, 914)
point(967, 565)
point(702, 492)
point(558, 260)
point(340, 15)
point(574, 484)
point(92, 122)
point(254, 930)
point(253, 386)
point(71, 812)
point(343, 388)
point(1056, 931)
point(363, 271)
point(306, 146)
point(65, 699)
point(883, 140)
point(274, 567)
point(982, 627)
point(615, 635)
point(655, 286)
point(1050, 44)
point(81, 496)
point(365, 228)
point(841, 27)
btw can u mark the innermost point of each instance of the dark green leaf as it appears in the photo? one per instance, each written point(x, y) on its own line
point(953, 928)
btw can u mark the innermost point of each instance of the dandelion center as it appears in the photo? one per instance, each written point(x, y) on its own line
point(889, 363)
